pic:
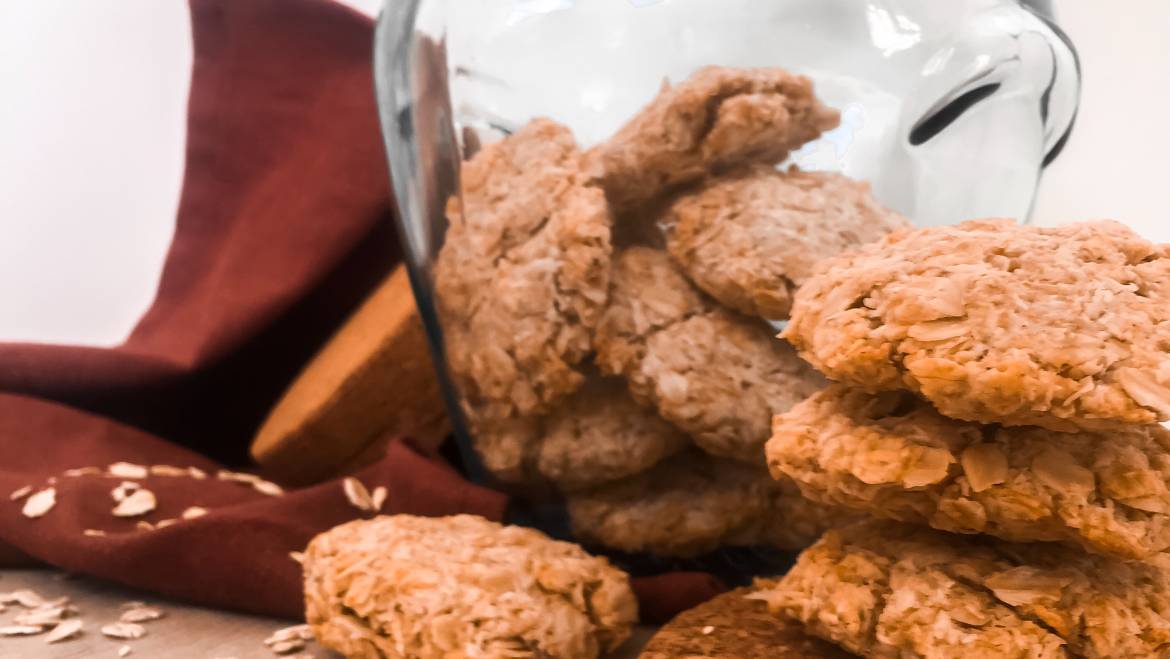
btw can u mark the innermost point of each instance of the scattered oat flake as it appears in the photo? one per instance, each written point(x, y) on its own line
point(124, 489)
point(52, 480)
point(193, 512)
point(139, 502)
point(297, 556)
point(295, 632)
point(196, 473)
point(236, 476)
point(707, 630)
point(167, 470)
point(20, 493)
point(267, 487)
point(20, 630)
point(94, 533)
point(40, 503)
point(124, 651)
point(144, 525)
point(67, 629)
point(26, 598)
point(163, 523)
point(42, 616)
point(378, 497)
point(127, 470)
point(357, 494)
point(287, 647)
point(127, 630)
point(141, 614)
point(81, 471)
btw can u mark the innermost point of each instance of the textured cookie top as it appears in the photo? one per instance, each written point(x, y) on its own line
point(749, 239)
point(888, 590)
point(1064, 327)
point(893, 456)
point(717, 118)
point(715, 374)
point(736, 625)
point(406, 586)
point(691, 504)
point(600, 435)
point(522, 276)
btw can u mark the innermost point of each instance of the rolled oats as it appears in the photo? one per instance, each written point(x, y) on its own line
point(404, 586)
point(1066, 328)
point(39, 503)
point(893, 456)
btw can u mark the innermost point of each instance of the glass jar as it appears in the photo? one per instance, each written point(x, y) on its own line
point(949, 110)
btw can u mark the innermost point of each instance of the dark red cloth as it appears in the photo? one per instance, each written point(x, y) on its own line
point(283, 227)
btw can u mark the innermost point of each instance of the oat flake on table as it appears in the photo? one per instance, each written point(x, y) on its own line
point(64, 630)
point(127, 470)
point(138, 503)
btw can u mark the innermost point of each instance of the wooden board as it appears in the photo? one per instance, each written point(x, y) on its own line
point(372, 380)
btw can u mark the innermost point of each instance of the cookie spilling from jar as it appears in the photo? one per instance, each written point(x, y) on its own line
point(606, 311)
point(996, 418)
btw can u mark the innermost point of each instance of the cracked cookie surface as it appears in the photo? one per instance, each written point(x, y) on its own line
point(750, 238)
point(883, 589)
point(522, 276)
point(1066, 328)
point(714, 374)
point(893, 456)
point(717, 118)
point(403, 586)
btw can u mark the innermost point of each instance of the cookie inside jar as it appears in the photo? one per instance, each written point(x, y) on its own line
point(609, 314)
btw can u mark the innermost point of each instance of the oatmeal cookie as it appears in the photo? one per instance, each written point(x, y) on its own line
point(736, 625)
point(404, 586)
point(893, 456)
point(750, 238)
point(600, 435)
point(522, 276)
point(1066, 328)
point(714, 374)
point(889, 590)
point(718, 118)
point(690, 505)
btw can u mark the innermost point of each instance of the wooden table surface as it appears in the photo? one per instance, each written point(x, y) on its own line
point(186, 632)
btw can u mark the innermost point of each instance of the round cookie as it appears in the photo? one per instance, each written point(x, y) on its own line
point(403, 586)
point(889, 590)
point(693, 504)
point(717, 118)
point(750, 238)
point(597, 435)
point(716, 375)
point(1066, 328)
point(600, 435)
point(522, 276)
point(893, 456)
point(736, 625)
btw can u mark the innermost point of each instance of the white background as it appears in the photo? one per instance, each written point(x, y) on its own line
point(92, 110)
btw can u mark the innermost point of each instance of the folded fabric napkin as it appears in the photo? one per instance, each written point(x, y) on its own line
point(283, 227)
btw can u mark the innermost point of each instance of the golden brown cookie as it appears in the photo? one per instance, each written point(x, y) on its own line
point(1066, 328)
point(890, 590)
point(736, 625)
point(718, 118)
point(692, 504)
point(750, 238)
point(403, 586)
point(601, 435)
point(893, 456)
point(714, 374)
point(522, 276)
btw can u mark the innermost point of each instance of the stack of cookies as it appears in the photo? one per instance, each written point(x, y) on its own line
point(606, 312)
point(995, 415)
